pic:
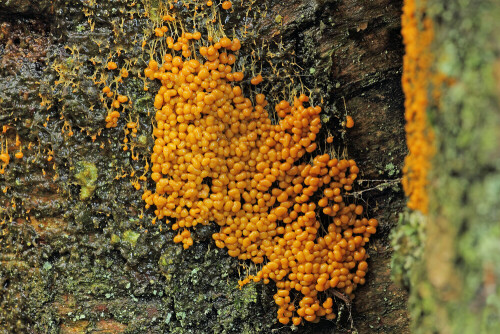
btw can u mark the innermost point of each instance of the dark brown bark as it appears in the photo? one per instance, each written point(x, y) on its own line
point(73, 263)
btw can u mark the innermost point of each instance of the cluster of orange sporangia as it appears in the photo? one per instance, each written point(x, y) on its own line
point(415, 82)
point(218, 158)
point(225, 5)
point(4, 150)
point(4, 157)
point(114, 113)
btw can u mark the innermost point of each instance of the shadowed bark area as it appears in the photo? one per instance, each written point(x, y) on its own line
point(78, 251)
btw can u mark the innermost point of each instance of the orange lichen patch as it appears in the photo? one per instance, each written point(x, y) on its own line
point(218, 158)
point(227, 5)
point(415, 81)
point(349, 122)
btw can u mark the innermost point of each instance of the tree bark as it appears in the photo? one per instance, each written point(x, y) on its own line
point(78, 251)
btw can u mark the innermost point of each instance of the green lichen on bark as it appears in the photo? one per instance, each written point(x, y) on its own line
point(86, 176)
point(455, 282)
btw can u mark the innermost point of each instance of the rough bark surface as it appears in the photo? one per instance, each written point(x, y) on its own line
point(78, 252)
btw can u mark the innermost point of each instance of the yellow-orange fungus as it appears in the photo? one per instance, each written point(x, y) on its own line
point(227, 5)
point(168, 18)
point(217, 157)
point(4, 154)
point(349, 122)
point(415, 82)
point(112, 117)
point(112, 65)
point(124, 73)
point(5, 158)
point(256, 80)
point(122, 99)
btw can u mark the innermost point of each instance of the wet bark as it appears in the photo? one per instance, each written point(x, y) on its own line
point(78, 252)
